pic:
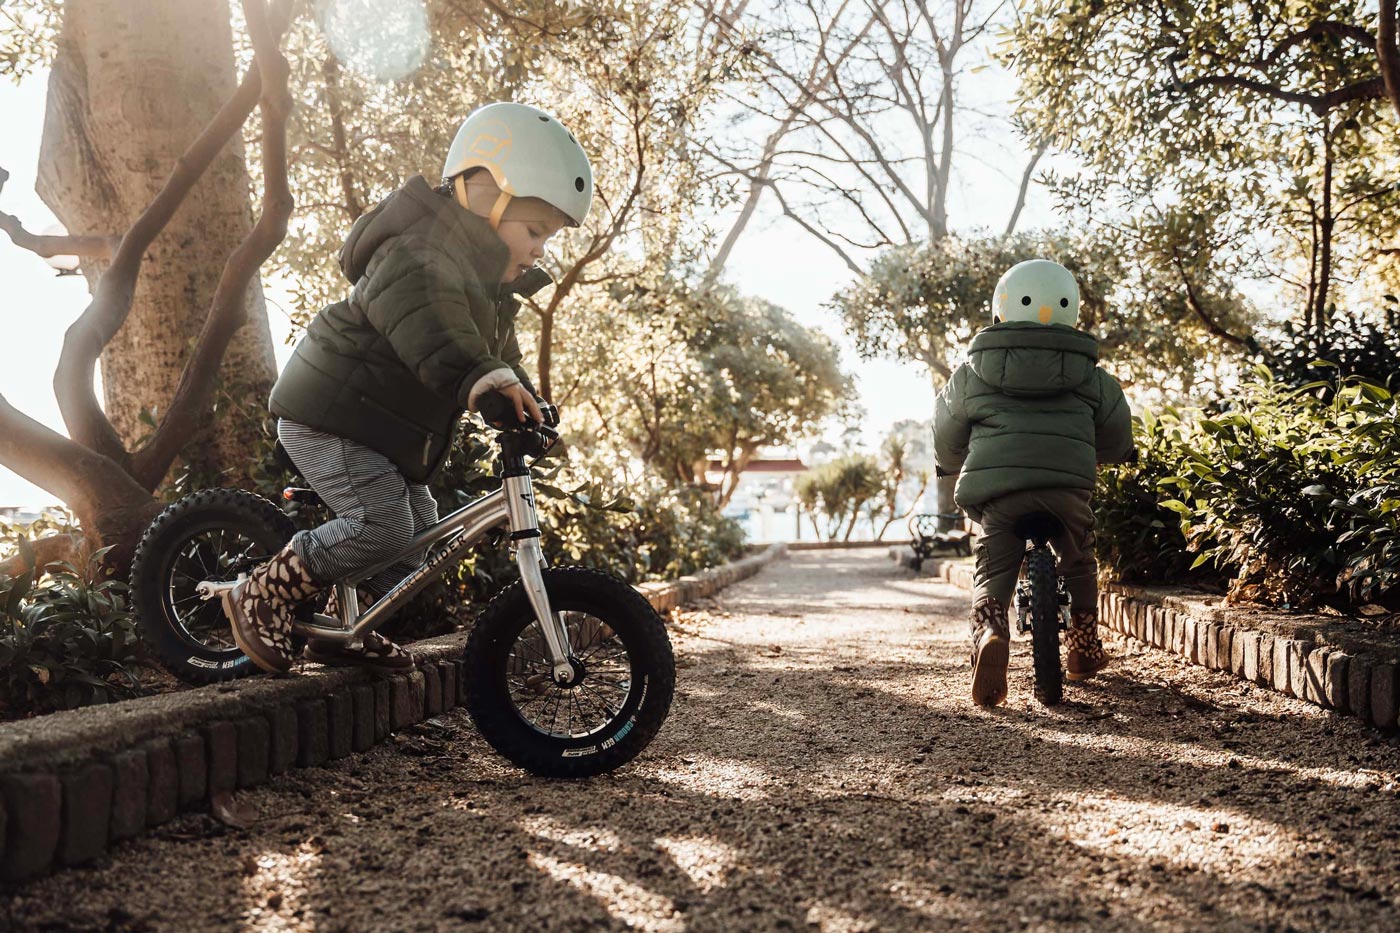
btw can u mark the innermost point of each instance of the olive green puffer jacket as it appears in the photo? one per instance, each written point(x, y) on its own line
point(1030, 409)
point(392, 366)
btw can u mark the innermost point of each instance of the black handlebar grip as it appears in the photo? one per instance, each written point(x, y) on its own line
point(499, 412)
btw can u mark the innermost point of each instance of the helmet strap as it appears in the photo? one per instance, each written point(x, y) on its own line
point(498, 209)
point(459, 187)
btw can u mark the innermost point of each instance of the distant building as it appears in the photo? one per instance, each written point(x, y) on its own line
point(764, 502)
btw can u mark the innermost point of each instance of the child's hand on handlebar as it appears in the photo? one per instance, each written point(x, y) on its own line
point(510, 407)
point(524, 402)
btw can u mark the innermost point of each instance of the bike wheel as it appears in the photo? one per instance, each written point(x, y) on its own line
point(609, 714)
point(1045, 626)
point(212, 535)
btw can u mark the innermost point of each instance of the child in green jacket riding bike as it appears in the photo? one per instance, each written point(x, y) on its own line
point(1026, 420)
point(369, 403)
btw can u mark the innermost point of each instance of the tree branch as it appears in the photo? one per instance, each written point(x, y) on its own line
point(1193, 302)
point(1329, 27)
point(1388, 54)
point(63, 467)
point(1370, 89)
point(88, 247)
point(1025, 186)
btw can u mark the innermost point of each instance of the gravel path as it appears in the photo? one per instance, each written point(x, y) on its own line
point(822, 769)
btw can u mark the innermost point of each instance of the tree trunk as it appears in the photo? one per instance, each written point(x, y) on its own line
point(1326, 224)
point(133, 83)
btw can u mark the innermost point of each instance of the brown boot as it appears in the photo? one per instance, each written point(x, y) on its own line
point(991, 652)
point(1084, 654)
point(374, 649)
point(262, 607)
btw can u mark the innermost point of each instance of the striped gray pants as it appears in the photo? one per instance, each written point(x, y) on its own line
point(377, 511)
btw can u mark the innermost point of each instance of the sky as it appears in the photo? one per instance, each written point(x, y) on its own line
point(774, 260)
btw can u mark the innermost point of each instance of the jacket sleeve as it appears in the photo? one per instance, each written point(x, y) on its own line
point(951, 430)
point(421, 301)
point(1113, 422)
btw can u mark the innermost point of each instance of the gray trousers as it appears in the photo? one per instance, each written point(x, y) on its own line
point(999, 550)
point(377, 511)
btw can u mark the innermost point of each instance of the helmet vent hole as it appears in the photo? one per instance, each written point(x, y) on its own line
point(1064, 302)
point(1025, 299)
point(578, 183)
point(544, 119)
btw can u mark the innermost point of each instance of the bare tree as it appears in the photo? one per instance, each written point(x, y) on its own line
point(861, 101)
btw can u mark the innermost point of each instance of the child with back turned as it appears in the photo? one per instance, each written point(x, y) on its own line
point(1024, 422)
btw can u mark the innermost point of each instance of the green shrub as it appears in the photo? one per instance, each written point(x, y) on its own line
point(659, 532)
point(1138, 539)
point(1290, 495)
point(838, 490)
point(68, 640)
point(1353, 346)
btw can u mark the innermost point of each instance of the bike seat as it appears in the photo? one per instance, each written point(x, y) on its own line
point(1037, 526)
point(301, 496)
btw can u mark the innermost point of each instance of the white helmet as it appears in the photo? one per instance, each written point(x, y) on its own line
point(529, 154)
point(1038, 291)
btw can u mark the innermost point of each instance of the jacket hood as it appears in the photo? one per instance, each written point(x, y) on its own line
point(418, 208)
point(1032, 360)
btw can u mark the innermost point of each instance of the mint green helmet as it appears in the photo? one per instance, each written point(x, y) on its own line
point(1037, 291)
point(529, 154)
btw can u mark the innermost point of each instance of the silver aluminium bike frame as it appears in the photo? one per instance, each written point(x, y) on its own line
point(513, 507)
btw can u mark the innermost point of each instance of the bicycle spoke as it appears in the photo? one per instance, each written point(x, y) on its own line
point(584, 708)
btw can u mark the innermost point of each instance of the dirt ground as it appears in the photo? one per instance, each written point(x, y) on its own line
point(822, 769)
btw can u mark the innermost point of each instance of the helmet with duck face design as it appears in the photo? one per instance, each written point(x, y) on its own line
point(1037, 291)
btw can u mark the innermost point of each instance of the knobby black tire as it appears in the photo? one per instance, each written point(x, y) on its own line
point(625, 734)
point(1045, 626)
point(209, 510)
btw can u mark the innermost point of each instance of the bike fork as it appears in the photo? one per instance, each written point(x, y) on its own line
point(529, 557)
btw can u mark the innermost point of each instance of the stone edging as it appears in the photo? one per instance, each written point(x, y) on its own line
point(73, 782)
point(1334, 663)
point(842, 545)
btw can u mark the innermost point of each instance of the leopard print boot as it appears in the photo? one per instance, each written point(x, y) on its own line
point(262, 607)
point(374, 650)
point(991, 652)
point(1084, 654)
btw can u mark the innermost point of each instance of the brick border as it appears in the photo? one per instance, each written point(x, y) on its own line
point(1313, 658)
point(75, 782)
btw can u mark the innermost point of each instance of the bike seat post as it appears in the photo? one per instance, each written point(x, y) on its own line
point(348, 599)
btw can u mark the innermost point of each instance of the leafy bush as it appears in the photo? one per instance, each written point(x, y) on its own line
point(1352, 347)
point(1291, 497)
point(1138, 538)
point(68, 640)
point(838, 490)
point(660, 532)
